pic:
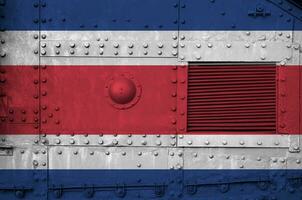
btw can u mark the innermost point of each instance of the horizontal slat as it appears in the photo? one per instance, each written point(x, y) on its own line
point(231, 98)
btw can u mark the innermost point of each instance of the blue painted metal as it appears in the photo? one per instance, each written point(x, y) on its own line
point(149, 15)
point(151, 184)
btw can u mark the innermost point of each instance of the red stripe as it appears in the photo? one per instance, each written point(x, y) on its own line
point(145, 100)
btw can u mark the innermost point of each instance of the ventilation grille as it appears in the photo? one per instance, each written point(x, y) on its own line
point(232, 98)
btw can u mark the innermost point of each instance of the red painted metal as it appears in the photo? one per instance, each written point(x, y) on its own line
point(149, 99)
point(19, 94)
point(232, 99)
point(289, 100)
point(76, 100)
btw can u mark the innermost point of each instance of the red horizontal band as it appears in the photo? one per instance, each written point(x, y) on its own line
point(150, 99)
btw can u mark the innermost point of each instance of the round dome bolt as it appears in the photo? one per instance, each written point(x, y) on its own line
point(123, 153)
point(160, 45)
point(206, 142)
point(182, 57)
point(139, 165)
point(182, 45)
point(248, 33)
point(262, 58)
point(174, 45)
point(159, 52)
point(210, 45)
point(129, 142)
point(86, 142)
point(174, 37)
point(241, 166)
point(274, 160)
point(276, 143)
point(182, 37)
point(173, 143)
point(36, 36)
point(43, 36)
point(288, 36)
point(282, 160)
point(296, 148)
point(114, 142)
point(86, 52)
point(59, 152)
point(57, 52)
point(57, 141)
point(288, 45)
point(71, 52)
point(298, 161)
point(44, 164)
point(101, 52)
point(198, 57)
point(263, 45)
point(228, 45)
point(101, 45)
point(247, 45)
point(145, 45)
point(101, 142)
point(116, 45)
point(174, 53)
point(22, 151)
point(35, 163)
point(241, 142)
point(43, 45)
point(242, 157)
point(131, 45)
point(189, 142)
point(180, 136)
point(155, 153)
point(171, 153)
point(180, 153)
point(158, 142)
point(198, 45)
point(107, 153)
point(259, 143)
point(87, 45)
point(116, 53)
point(58, 45)
point(130, 52)
point(91, 153)
point(72, 45)
point(224, 142)
point(259, 159)
point(144, 142)
point(43, 52)
point(195, 155)
point(145, 52)
point(139, 153)
point(72, 141)
point(227, 157)
point(75, 152)
point(211, 156)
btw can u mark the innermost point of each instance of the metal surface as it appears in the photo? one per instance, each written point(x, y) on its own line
point(94, 99)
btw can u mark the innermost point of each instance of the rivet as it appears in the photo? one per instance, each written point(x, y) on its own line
point(91, 153)
point(195, 155)
point(258, 159)
point(262, 57)
point(241, 142)
point(123, 153)
point(139, 165)
point(182, 57)
point(180, 153)
point(277, 143)
point(160, 45)
point(129, 142)
point(72, 45)
point(182, 37)
point(86, 52)
point(43, 36)
point(159, 52)
point(248, 33)
point(210, 45)
point(115, 45)
point(116, 53)
point(211, 156)
point(71, 52)
point(182, 45)
point(263, 45)
point(72, 141)
point(59, 152)
point(145, 45)
point(171, 153)
point(298, 161)
point(58, 45)
point(57, 52)
point(43, 45)
point(174, 45)
point(174, 37)
point(282, 160)
point(57, 141)
point(198, 57)
point(36, 36)
point(228, 45)
point(189, 142)
point(139, 153)
point(224, 142)
point(130, 45)
point(288, 35)
point(86, 141)
point(144, 142)
point(114, 142)
point(155, 153)
point(43, 52)
point(75, 152)
point(207, 142)
point(227, 157)
point(107, 153)
point(158, 142)
point(259, 143)
point(198, 45)
point(87, 45)
point(241, 166)
point(247, 45)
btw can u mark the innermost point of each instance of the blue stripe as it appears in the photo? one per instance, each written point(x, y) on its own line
point(151, 184)
point(149, 15)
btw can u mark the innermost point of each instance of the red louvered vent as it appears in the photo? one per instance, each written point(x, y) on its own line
point(232, 99)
